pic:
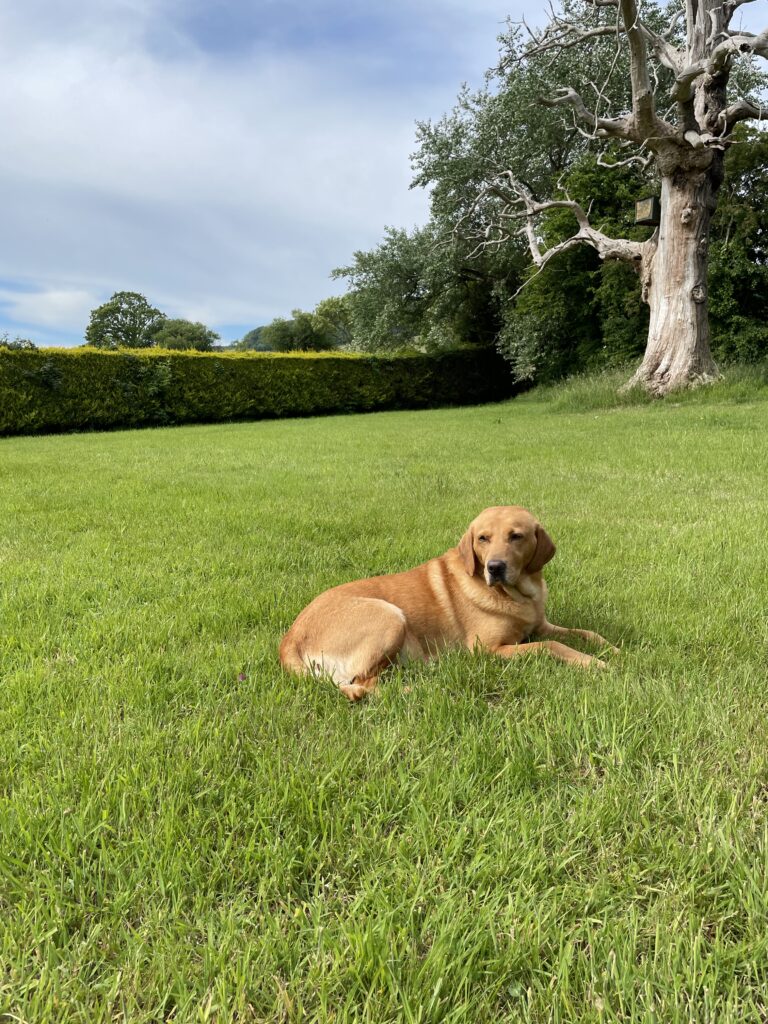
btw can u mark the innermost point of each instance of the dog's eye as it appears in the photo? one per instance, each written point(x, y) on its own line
point(483, 538)
point(515, 536)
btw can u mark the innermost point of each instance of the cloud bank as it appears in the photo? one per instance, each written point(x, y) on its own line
point(220, 158)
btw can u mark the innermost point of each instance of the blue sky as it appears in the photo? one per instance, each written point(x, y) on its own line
point(220, 157)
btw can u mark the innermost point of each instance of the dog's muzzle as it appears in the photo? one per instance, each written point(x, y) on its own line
point(497, 571)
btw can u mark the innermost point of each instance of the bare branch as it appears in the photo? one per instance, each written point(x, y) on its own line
point(742, 110)
point(615, 127)
point(518, 204)
point(644, 161)
point(643, 103)
point(561, 35)
point(718, 60)
point(677, 17)
point(737, 43)
point(665, 52)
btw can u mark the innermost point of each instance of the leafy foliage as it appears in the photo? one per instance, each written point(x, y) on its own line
point(302, 333)
point(251, 342)
point(332, 320)
point(580, 313)
point(184, 334)
point(126, 321)
point(431, 288)
point(420, 290)
point(78, 389)
point(738, 268)
point(16, 343)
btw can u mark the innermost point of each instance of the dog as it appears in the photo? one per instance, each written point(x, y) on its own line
point(487, 592)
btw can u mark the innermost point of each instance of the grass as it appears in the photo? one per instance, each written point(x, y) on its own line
point(189, 835)
point(739, 382)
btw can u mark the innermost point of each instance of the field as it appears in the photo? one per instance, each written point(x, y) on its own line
point(189, 835)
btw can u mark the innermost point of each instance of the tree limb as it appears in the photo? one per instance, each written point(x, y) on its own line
point(646, 123)
point(730, 7)
point(561, 35)
point(718, 60)
point(742, 110)
point(613, 127)
point(644, 161)
point(518, 204)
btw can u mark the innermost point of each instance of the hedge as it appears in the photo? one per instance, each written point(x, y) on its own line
point(52, 390)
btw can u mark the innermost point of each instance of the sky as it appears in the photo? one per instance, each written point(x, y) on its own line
point(219, 156)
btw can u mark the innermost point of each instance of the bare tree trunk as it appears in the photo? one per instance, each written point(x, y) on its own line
point(675, 286)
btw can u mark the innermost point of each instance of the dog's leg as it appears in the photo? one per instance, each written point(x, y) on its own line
point(548, 629)
point(359, 688)
point(352, 645)
point(554, 649)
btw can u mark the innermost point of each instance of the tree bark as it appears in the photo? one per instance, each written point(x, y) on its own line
point(674, 272)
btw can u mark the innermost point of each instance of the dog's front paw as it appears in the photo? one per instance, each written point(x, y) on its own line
point(355, 691)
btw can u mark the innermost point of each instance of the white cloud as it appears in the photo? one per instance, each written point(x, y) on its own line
point(223, 189)
point(55, 307)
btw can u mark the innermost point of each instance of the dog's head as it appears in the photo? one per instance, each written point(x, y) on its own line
point(504, 543)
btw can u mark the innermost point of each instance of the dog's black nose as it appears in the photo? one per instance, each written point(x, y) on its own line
point(496, 567)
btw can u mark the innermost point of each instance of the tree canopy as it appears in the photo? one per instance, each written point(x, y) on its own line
point(303, 332)
point(126, 321)
point(184, 334)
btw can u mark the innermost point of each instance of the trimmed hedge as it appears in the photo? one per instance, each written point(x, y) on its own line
point(51, 390)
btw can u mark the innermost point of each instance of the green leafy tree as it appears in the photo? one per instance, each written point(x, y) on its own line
point(686, 99)
point(300, 334)
point(126, 321)
point(332, 320)
point(580, 312)
point(252, 342)
point(459, 278)
point(738, 268)
point(19, 344)
point(420, 290)
point(435, 287)
point(184, 334)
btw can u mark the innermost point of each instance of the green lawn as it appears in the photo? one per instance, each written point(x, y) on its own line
point(189, 835)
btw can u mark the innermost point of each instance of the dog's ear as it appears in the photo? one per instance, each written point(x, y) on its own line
point(545, 550)
point(467, 552)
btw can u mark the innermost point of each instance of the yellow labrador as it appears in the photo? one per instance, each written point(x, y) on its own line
point(487, 591)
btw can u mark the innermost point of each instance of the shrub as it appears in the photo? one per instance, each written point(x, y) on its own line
point(51, 390)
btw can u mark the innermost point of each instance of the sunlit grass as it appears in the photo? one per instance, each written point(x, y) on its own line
point(189, 835)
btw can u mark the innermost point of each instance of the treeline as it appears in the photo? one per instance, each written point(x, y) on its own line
point(326, 327)
point(127, 320)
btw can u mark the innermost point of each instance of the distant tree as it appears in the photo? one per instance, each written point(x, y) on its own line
point(252, 342)
point(278, 336)
point(184, 334)
point(420, 290)
point(332, 320)
point(126, 321)
point(300, 334)
point(16, 343)
point(310, 333)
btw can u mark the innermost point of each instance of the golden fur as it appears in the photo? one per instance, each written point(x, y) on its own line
point(488, 591)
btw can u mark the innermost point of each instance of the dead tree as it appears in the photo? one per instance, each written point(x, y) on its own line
point(687, 145)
